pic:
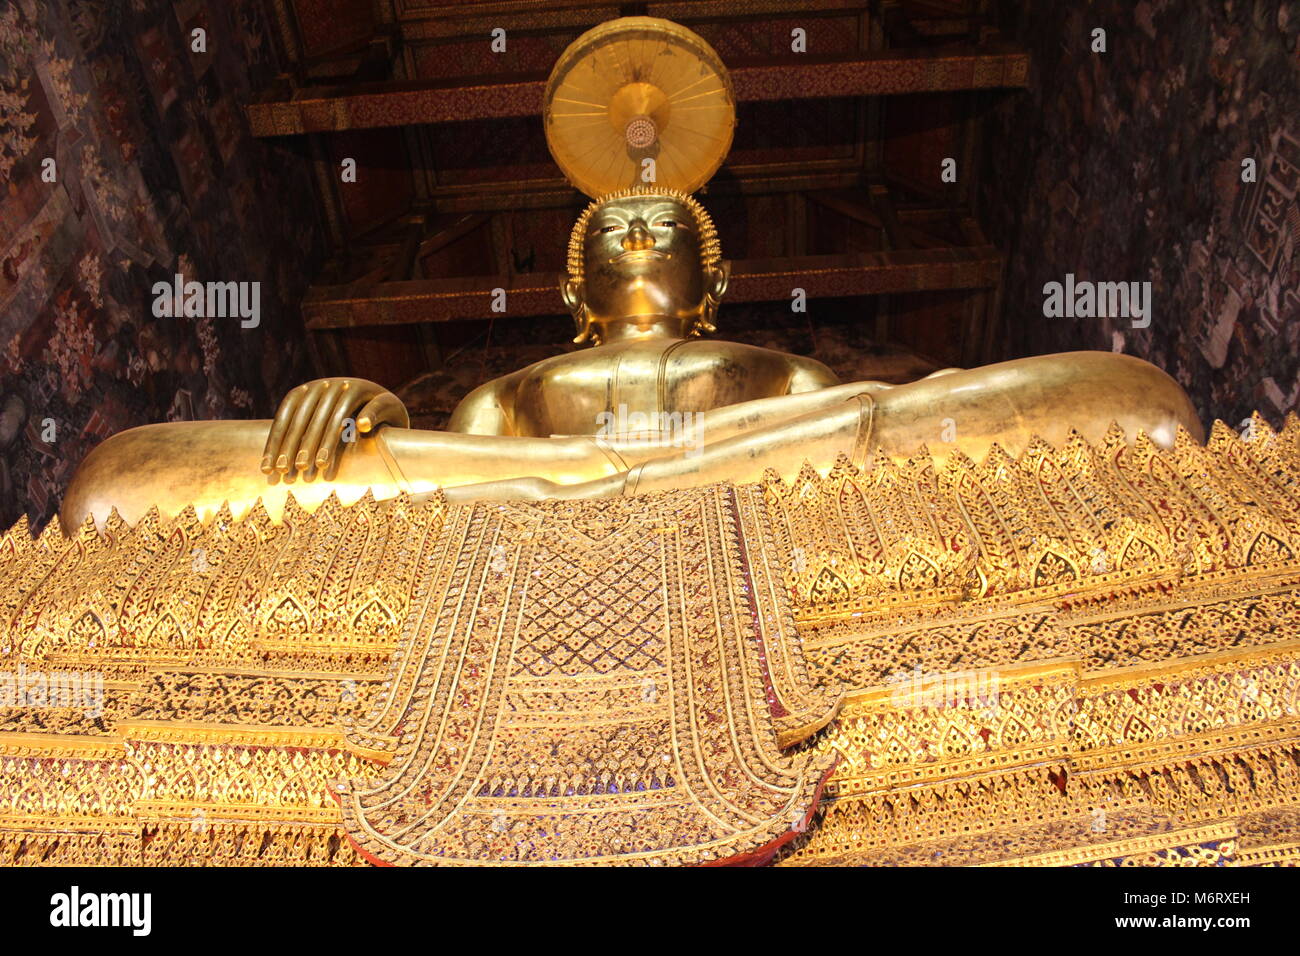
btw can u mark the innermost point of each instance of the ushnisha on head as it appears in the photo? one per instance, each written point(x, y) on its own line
point(644, 262)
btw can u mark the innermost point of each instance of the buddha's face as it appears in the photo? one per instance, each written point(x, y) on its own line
point(642, 267)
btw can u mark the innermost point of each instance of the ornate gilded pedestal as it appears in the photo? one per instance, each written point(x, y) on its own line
point(1089, 655)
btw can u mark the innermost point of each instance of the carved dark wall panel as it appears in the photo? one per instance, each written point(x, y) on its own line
point(1127, 166)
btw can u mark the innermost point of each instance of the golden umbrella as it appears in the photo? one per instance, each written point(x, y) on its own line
point(638, 89)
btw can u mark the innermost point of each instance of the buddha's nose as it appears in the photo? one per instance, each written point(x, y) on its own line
point(638, 237)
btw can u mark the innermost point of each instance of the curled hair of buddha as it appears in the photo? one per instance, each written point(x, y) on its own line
point(710, 252)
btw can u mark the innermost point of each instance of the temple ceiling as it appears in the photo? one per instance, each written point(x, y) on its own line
point(833, 183)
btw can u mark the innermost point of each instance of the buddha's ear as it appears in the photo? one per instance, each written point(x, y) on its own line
point(717, 279)
point(571, 292)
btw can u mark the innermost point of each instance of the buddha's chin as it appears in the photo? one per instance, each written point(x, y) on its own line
point(649, 324)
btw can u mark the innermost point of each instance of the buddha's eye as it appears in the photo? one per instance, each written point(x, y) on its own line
point(670, 223)
point(605, 229)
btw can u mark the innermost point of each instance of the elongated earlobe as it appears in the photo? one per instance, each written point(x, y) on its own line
point(716, 281)
point(719, 279)
point(571, 292)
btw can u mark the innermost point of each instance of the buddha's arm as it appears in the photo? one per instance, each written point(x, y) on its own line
point(969, 410)
point(805, 396)
point(964, 411)
point(731, 420)
point(818, 436)
point(204, 464)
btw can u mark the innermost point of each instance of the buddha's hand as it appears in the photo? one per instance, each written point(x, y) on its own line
point(317, 418)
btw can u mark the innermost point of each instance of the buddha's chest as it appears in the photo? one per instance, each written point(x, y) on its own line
point(578, 394)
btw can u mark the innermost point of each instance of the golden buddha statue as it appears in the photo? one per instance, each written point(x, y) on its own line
point(652, 404)
point(645, 280)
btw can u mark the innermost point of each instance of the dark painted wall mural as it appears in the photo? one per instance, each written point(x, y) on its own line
point(1127, 166)
point(153, 174)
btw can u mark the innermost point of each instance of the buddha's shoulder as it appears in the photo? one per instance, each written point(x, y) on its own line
point(715, 349)
point(557, 367)
point(695, 354)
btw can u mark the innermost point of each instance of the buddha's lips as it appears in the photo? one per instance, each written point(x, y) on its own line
point(636, 255)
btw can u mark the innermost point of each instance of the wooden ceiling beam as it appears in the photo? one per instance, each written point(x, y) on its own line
point(753, 280)
point(883, 203)
point(556, 193)
point(281, 112)
point(849, 203)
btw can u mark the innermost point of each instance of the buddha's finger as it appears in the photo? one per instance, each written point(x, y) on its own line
point(332, 440)
point(309, 450)
point(280, 424)
point(383, 409)
point(301, 416)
